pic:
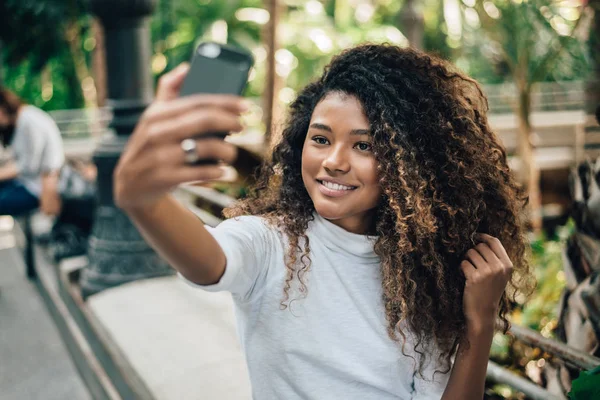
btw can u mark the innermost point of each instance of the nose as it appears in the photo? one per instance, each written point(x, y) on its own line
point(336, 160)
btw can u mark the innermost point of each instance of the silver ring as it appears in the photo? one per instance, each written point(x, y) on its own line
point(190, 151)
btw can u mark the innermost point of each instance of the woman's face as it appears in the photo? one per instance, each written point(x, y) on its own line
point(339, 169)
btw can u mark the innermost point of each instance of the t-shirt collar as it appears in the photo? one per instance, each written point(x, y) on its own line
point(340, 240)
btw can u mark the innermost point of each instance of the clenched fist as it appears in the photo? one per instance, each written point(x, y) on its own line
point(487, 270)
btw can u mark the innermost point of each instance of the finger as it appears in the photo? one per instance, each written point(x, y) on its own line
point(497, 248)
point(195, 173)
point(170, 83)
point(207, 149)
point(468, 269)
point(183, 105)
point(487, 253)
point(192, 124)
point(476, 259)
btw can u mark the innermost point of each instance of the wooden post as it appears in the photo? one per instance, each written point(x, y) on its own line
point(273, 83)
point(592, 86)
point(412, 25)
point(99, 63)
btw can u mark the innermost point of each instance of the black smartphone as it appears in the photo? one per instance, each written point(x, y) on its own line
point(217, 69)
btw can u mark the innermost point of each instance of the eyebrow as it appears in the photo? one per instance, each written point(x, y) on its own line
point(328, 129)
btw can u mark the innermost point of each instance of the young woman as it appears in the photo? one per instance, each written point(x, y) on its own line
point(371, 260)
point(30, 180)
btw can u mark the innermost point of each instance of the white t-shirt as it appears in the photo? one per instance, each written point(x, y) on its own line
point(37, 147)
point(333, 344)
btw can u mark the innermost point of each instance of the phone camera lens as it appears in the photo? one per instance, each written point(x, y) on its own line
point(210, 50)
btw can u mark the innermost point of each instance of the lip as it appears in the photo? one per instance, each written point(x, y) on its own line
point(331, 180)
point(332, 192)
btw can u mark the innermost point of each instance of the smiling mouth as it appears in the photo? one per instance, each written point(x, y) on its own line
point(336, 186)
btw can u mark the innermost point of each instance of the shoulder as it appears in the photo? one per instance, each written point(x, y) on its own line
point(35, 111)
point(33, 116)
point(247, 238)
point(31, 113)
point(254, 229)
point(246, 220)
point(250, 224)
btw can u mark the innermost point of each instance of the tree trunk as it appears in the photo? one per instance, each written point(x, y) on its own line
point(528, 171)
point(272, 108)
point(593, 92)
point(73, 36)
point(343, 11)
point(411, 23)
point(99, 63)
point(592, 98)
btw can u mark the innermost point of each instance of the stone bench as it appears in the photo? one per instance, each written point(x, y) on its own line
point(181, 342)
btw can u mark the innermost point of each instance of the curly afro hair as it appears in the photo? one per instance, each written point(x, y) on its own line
point(443, 175)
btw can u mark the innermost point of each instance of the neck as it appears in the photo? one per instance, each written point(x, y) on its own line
point(360, 224)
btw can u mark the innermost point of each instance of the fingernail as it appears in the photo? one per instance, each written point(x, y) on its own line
point(228, 174)
point(182, 67)
point(244, 105)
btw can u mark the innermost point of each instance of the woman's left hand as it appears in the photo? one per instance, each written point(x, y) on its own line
point(487, 270)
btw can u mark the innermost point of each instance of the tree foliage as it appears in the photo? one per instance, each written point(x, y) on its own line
point(33, 31)
point(34, 37)
point(310, 33)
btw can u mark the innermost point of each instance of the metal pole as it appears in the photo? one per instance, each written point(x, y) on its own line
point(29, 248)
point(118, 254)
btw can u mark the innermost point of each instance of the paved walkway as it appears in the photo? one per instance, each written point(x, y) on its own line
point(34, 363)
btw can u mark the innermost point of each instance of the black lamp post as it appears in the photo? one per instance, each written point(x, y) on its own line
point(118, 254)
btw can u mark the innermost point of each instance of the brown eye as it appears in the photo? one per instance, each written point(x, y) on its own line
point(363, 146)
point(320, 140)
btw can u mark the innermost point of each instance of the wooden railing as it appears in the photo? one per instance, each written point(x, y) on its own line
point(546, 96)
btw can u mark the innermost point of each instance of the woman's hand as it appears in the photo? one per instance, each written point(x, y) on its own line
point(487, 270)
point(153, 161)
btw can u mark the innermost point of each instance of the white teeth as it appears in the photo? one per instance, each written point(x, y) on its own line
point(335, 186)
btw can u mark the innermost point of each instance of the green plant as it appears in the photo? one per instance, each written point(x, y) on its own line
point(586, 386)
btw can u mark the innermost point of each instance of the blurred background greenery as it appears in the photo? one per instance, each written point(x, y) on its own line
point(52, 57)
point(49, 45)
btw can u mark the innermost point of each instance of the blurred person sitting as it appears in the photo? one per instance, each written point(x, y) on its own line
point(29, 180)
